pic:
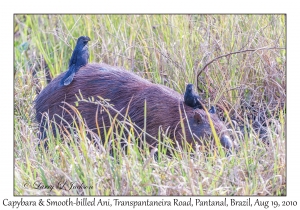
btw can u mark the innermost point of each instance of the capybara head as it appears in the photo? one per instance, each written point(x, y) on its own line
point(129, 94)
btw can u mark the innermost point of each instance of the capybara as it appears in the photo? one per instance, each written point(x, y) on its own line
point(125, 89)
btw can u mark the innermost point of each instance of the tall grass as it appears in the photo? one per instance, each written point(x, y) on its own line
point(168, 50)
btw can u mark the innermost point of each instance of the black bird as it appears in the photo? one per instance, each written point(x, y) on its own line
point(191, 98)
point(80, 57)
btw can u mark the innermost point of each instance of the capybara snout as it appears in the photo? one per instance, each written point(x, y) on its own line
point(129, 94)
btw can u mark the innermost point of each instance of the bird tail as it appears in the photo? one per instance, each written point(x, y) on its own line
point(68, 80)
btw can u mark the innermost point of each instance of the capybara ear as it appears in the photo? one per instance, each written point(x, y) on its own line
point(212, 110)
point(198, 117)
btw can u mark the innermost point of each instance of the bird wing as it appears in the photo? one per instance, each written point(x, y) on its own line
point(73, 59)
point(198, 102)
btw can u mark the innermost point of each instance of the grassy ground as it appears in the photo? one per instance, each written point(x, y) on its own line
point(168, 50)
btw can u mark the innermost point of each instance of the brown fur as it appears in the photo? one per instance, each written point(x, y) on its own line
point(124, 88)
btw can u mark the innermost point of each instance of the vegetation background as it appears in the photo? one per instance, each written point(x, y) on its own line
point(168, 50)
